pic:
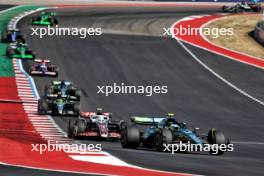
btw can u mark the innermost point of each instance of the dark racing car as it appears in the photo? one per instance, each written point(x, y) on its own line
point(45, 18)
point(19, 50)
point(43, 67)
point(166, 130)
point(65, 89)
point(243, 6)
point(95, 125)
point(12, 35)
point(58, 106)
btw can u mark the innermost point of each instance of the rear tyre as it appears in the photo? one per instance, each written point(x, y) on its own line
point(10, 52)
point(130, 137)
point(76, 108)
point(224, 8)
point(78, 94)
point(48, 90)
point(72, 129)
point(55, 21)
point(258, 9)
point(21, 39)
point(30, 70)
point(33, 54)
point(34, 19)
point(56, 72)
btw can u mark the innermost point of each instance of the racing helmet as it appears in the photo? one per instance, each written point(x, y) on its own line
point(170, 115)
point(172, 123)
point(63, 84)
point(42, 62)
point(99, 111)
point(60, 100)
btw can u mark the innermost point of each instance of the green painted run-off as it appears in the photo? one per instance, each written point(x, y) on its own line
point(6, 65)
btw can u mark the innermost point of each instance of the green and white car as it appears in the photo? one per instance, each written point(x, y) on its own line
point(19, 50)
point(45, 18)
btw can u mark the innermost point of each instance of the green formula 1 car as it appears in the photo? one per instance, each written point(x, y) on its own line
point(45, 18)
point(58, 106)
point(20, 51)
point(65, 89)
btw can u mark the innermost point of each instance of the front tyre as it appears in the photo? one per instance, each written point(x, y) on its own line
point(42, 107)
point(81, 125)
point(216, 137)
point(164, 137)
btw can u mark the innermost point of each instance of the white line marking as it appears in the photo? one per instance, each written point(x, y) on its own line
point(247, 142)
point(21, 79)
point(23, 86)
point(102, 160)
point(216, 74)
point(27, 95)
point(39, 120)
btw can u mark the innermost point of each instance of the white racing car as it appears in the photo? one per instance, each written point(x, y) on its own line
point(95, 125)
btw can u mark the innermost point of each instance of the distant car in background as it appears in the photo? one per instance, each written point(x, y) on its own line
point(19, 50)
point(65, 89)
point(43, 67)
point(243, 6)
point(12, 35)
point(45, 18)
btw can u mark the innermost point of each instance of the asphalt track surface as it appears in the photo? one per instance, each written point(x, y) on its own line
point(195, 95)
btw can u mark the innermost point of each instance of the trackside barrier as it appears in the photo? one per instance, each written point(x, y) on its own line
point(259, 32)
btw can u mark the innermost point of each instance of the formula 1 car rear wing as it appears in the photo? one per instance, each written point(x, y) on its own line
point(41, 60)
point(89, 114)
point(143, 120)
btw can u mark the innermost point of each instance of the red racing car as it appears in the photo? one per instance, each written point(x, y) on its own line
point(95, 125)
point(43, 67)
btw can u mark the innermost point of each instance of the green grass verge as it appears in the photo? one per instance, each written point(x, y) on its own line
point(6, 66)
